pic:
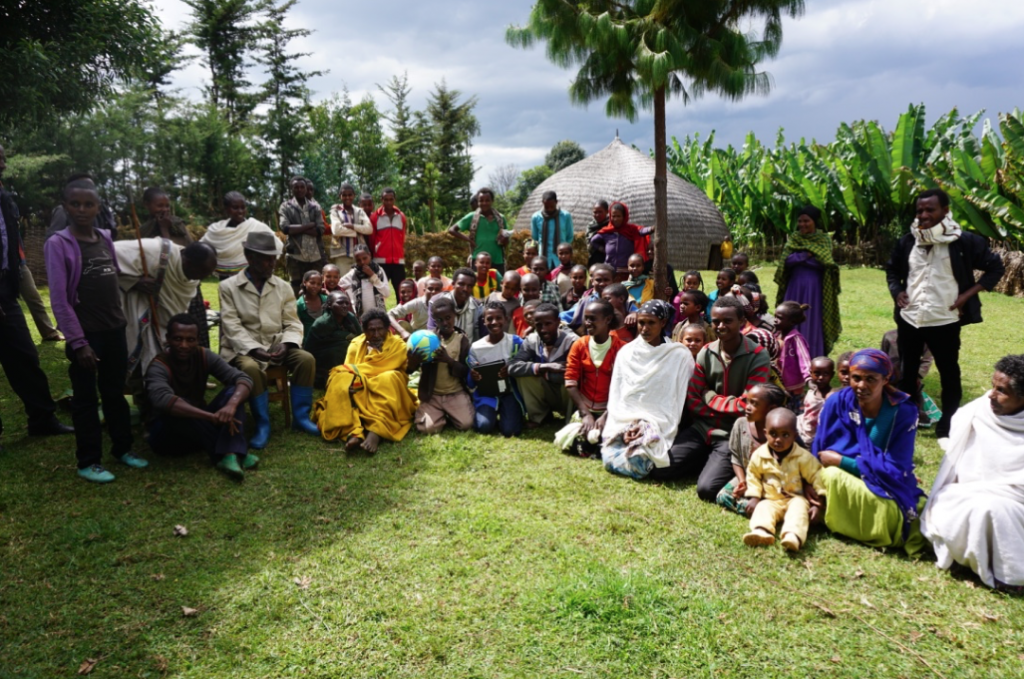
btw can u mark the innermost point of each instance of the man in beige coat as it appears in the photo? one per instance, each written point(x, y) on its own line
point(261, 327)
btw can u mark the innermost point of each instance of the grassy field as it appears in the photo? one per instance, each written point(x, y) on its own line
point(465, 556)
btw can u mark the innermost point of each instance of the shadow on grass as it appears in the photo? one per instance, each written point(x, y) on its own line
point(97, 571)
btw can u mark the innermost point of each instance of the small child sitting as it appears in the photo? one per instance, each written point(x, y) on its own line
point(444, 396)
point(819, 386)
point(331, 276)
point(530, 250)
point(435, 269)
point(560, 275)
point(776, 478)
point(748, 435)
point(748, 277)
point(588, 379)
point(625, 311)
point(725, 281)
point(794, 352)
point(419, 270)
point(529, 287)
point(740, 262)
point(690, 306)
point(578, 276)
point(639, 285)
point(548, 290)
point(488, 280)
point(843, 369)
point(504, 411)
point(693, 338)
point(508, 296)
point(412, 312)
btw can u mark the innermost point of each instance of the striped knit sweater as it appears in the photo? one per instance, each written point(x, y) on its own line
point(715, 396)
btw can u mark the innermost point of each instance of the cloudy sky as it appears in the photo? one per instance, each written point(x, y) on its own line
point(842, 60)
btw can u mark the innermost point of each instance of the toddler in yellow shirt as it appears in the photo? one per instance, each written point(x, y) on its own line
point(777, 475)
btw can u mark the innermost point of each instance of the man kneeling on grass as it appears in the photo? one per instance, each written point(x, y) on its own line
point(176, 384)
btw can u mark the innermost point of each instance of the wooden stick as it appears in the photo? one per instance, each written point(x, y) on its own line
point(145, 272)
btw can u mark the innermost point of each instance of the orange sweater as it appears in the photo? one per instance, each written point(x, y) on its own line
point(593, 382)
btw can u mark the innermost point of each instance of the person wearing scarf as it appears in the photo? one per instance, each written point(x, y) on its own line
point(366, 284)
point(550, 227)
point(931, 278)
point(228, 236)
point(808, 275)
point(975, 515)
point(350, 226)
point(865, 441)
point(646, 396)
point(620, 240)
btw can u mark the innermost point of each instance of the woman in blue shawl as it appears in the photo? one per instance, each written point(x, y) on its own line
point(865, 441)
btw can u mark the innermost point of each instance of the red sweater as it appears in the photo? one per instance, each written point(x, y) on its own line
point(388, 236)
point(593, 382)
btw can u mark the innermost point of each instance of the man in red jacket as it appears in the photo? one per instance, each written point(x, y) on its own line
point(389, 229)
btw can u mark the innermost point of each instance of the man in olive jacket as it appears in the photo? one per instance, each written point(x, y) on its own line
point(931, 279)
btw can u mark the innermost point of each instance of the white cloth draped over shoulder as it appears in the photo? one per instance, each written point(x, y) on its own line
point(228, 241)
point(975, 515)
point(176, 293)
point(649, 383)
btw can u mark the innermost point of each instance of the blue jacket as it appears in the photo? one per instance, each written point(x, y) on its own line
point(887, 472)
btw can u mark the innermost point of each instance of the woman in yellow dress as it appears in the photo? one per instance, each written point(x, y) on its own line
point(368, 397)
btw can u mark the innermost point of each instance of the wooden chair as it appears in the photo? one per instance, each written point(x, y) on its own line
point(277, 377)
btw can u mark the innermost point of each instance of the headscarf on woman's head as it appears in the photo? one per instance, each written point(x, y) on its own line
point(812, 212)
point(872, 360)
point(659, 309)
point(627, 230)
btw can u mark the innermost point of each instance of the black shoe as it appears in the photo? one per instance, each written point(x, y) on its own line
point(51, 428)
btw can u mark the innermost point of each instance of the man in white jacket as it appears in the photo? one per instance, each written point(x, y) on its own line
point(350, 226)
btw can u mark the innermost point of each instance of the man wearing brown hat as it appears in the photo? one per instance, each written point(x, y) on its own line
point(261, 327)
point(551, 226)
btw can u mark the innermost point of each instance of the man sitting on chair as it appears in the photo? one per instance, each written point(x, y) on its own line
point(261, 328)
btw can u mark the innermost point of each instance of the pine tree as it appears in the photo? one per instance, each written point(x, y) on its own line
point(410, 138)
point(284, 128)
point(639, 52)
point(453, 126)
point(227, 32)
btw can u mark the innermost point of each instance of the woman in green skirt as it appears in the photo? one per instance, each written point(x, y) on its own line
point(865, 441)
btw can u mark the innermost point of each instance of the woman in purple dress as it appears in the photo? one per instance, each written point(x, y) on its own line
point(809, 275)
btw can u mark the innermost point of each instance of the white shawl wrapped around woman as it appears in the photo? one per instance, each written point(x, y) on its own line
point(649, 383)
point(176, 293)
point(975, 515)
point(228, 241)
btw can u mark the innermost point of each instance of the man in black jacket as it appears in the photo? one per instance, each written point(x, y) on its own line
point(18, 354)
point(931, 278)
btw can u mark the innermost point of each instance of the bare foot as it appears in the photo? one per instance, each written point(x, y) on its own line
point(530, 424)
point(371, 443)
point(352, 444)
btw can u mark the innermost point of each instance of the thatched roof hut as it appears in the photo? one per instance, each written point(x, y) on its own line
point(619, 172)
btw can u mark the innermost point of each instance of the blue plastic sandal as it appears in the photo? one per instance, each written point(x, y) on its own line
point(96, 473)
point(133, 460)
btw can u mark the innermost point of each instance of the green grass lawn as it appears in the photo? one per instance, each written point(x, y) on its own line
point(466, 556)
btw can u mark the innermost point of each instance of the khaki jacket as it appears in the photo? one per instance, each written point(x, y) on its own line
point(250, 320)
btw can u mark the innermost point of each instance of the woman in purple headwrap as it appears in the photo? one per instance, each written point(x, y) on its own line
point(865, 441)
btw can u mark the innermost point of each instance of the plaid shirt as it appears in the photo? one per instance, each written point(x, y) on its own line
point(549, 293)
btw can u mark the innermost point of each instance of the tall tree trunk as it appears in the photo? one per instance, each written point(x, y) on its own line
point(660, 197)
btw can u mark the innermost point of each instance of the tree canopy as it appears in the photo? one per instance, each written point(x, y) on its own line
point(67, 56)
point(638, 53)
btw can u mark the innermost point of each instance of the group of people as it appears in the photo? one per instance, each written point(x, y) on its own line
point(704, 386)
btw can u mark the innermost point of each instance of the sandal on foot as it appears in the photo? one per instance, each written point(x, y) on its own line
point(96, 473)
point(132, 460)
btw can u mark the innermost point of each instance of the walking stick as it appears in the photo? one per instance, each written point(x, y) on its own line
point(145, 271)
